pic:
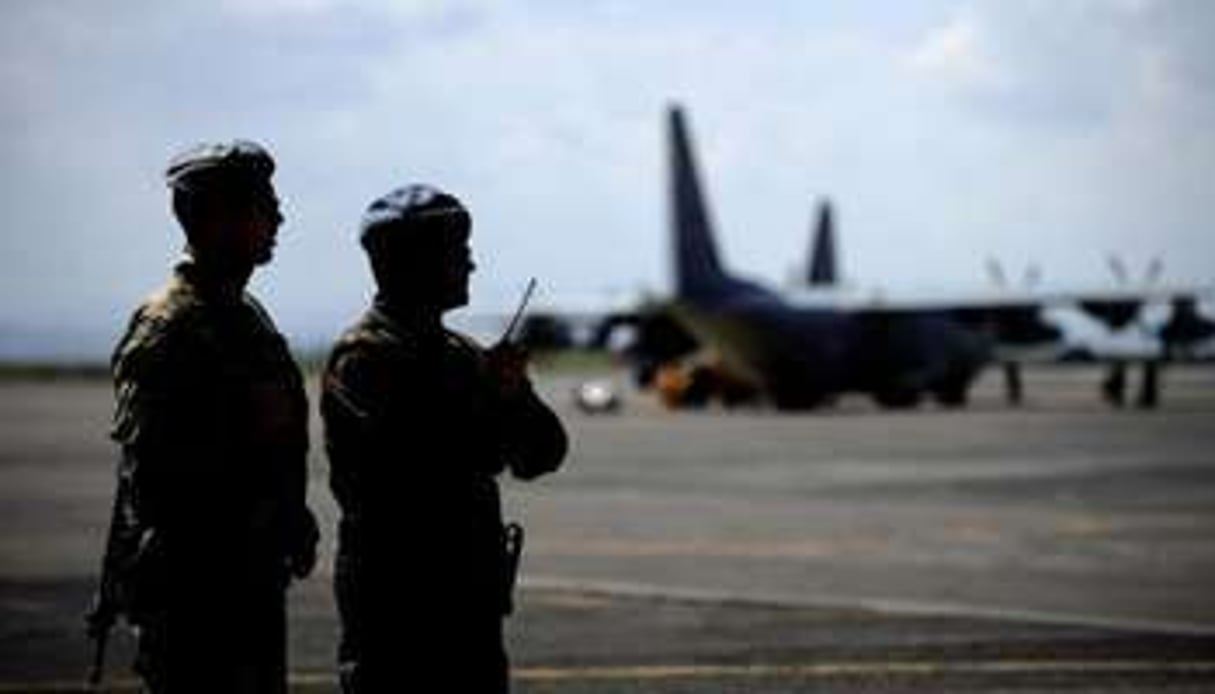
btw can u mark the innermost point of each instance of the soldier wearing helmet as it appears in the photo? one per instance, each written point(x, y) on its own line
point(419, 423)
point(210, 520)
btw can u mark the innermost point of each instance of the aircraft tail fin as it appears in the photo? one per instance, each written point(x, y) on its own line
point(823, 270)
point(697, 266)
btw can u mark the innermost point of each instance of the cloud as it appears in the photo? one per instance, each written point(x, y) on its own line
point(410, 9)
point(1072, 64)
point(954, 53)
point(270, 8)
point(1087, 118)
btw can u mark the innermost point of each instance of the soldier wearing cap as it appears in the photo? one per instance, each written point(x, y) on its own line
point(419, 423)
point(210, 521)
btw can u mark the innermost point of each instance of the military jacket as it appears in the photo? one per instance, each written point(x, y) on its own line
point(417, 432)
point(212, 419)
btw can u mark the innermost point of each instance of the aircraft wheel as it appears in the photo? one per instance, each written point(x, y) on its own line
point(952, 397)
point(952, 392)
point(701, 387)
point(897, 399)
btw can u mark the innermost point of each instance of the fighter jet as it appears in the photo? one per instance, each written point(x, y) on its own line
point(730, 337)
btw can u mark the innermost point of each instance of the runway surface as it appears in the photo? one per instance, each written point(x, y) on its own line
point(1060, 546)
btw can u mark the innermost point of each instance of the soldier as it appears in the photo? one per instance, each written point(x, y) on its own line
point(210, 520)
point(419, 422)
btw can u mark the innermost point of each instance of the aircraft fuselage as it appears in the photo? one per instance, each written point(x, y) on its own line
point(802, 357)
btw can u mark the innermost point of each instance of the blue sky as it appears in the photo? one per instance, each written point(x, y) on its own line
point(1033, 131)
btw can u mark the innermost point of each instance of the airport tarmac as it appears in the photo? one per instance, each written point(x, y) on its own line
point(1059, 546)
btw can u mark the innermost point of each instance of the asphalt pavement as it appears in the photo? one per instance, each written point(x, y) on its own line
point(1062, 546)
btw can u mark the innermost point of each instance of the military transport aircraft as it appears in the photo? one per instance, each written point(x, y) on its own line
point(723, 336)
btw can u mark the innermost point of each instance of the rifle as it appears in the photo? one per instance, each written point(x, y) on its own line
point(121, 545)
point(103, 614)
point(92, 680)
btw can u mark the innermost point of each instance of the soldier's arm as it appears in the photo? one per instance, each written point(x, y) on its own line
point(533, 439)
point(164, 395)
point(353, 402)
point(302, 531)
point(304, 535)
point(148, 382)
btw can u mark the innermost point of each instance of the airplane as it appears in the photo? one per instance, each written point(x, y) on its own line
point(727, 337)
point(1034, 327)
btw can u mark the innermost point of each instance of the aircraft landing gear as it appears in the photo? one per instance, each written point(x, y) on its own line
point(897, 399)
point(952, 397)
point(1149, 392)
point(1113, 388)
point(952, 391)
point(1013, 393)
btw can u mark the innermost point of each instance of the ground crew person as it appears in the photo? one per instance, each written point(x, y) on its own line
point(210, 520)
point(419, 422)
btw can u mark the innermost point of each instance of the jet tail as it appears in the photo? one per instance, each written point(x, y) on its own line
point(823, 270)
point(698, 270)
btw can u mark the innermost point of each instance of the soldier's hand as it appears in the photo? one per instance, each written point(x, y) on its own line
point(99, 617)
point(301, 558)
point(508, 366)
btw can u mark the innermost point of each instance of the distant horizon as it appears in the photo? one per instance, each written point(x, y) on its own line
point(76, 345)
point(73, 345)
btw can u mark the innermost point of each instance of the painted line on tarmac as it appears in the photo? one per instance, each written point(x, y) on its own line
point(888, 606)
point(823, 670)
point(898, 668)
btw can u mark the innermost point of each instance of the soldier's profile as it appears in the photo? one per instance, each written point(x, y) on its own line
point(419, 423)
point(210, 521)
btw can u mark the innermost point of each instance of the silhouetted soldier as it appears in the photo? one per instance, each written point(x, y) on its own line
point(419, 421)
point(210, 518)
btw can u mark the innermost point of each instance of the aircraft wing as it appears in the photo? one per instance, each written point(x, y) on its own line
point(846, 298)
point(1026, 324)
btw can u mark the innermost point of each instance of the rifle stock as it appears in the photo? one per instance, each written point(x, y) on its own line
point(121, 545)
point(96, 673)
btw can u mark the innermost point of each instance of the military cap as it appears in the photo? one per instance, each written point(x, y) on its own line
point(413, 208)
point(237, 161)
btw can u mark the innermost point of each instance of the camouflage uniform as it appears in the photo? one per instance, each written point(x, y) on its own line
point(212, 419)
point(417, 430)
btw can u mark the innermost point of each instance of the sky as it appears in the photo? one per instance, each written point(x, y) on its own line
point(1044, 133)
